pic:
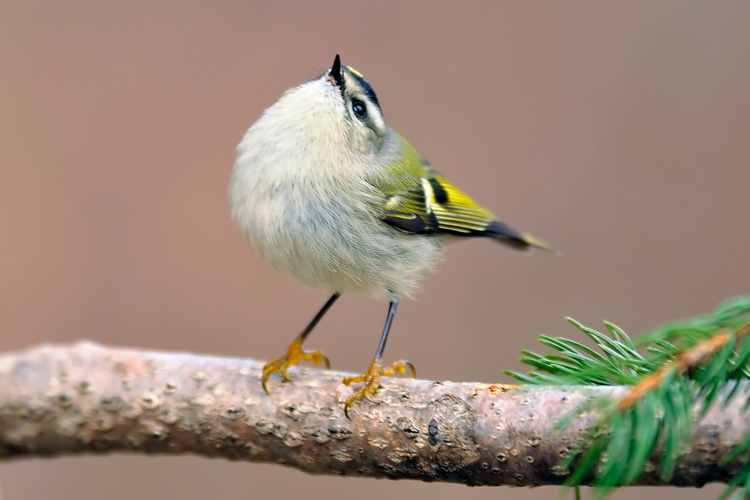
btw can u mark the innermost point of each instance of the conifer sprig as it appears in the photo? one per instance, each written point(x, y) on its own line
point(673, 370)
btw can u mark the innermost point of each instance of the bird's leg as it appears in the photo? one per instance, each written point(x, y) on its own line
point(295, 353)
point(371, 378)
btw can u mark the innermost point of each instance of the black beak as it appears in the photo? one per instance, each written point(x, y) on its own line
point(334, 76)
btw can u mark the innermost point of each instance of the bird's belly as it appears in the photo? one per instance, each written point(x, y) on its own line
point(346, 251)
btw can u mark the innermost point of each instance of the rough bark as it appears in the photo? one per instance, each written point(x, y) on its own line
point(87, 398)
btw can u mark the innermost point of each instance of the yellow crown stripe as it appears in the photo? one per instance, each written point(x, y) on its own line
point(356, 72)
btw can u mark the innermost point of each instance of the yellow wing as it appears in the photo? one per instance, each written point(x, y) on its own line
point(433, 206)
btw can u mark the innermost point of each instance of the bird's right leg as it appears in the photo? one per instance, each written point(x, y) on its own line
point(295, 353)
point(370, 380)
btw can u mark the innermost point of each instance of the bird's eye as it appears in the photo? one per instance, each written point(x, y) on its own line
point(359, 108)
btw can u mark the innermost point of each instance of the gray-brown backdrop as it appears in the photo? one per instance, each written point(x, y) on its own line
point(617, 131)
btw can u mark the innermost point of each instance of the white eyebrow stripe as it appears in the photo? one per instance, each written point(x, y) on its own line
point(378, 119)
point(373, 111)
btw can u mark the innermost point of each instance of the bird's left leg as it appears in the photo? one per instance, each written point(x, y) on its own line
point(295, 353)
point(371, 378)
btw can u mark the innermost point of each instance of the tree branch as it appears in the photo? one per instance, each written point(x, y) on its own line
point(87, 398)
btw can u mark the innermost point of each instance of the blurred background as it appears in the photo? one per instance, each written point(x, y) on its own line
point(617, 131)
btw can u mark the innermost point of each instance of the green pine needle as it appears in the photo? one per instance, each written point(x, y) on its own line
point(700, 361)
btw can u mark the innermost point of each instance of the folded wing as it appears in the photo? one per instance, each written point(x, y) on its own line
point(433, 206)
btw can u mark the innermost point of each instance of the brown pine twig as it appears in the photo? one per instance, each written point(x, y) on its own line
point(681, 363)
point(87, 398)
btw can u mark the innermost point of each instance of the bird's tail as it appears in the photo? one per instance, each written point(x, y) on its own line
point(522, 241)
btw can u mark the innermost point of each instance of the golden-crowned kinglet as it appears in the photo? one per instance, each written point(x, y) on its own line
point(327, 192)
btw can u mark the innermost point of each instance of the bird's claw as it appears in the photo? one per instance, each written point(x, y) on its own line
point(294, 355)
point(371, 380)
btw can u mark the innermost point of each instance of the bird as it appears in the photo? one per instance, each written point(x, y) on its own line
point(328, 193)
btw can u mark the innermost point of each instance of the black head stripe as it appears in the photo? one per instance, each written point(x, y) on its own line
point(366, 87)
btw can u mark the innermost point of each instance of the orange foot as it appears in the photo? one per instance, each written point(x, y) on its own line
point(294, 355)
point(371, 380)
